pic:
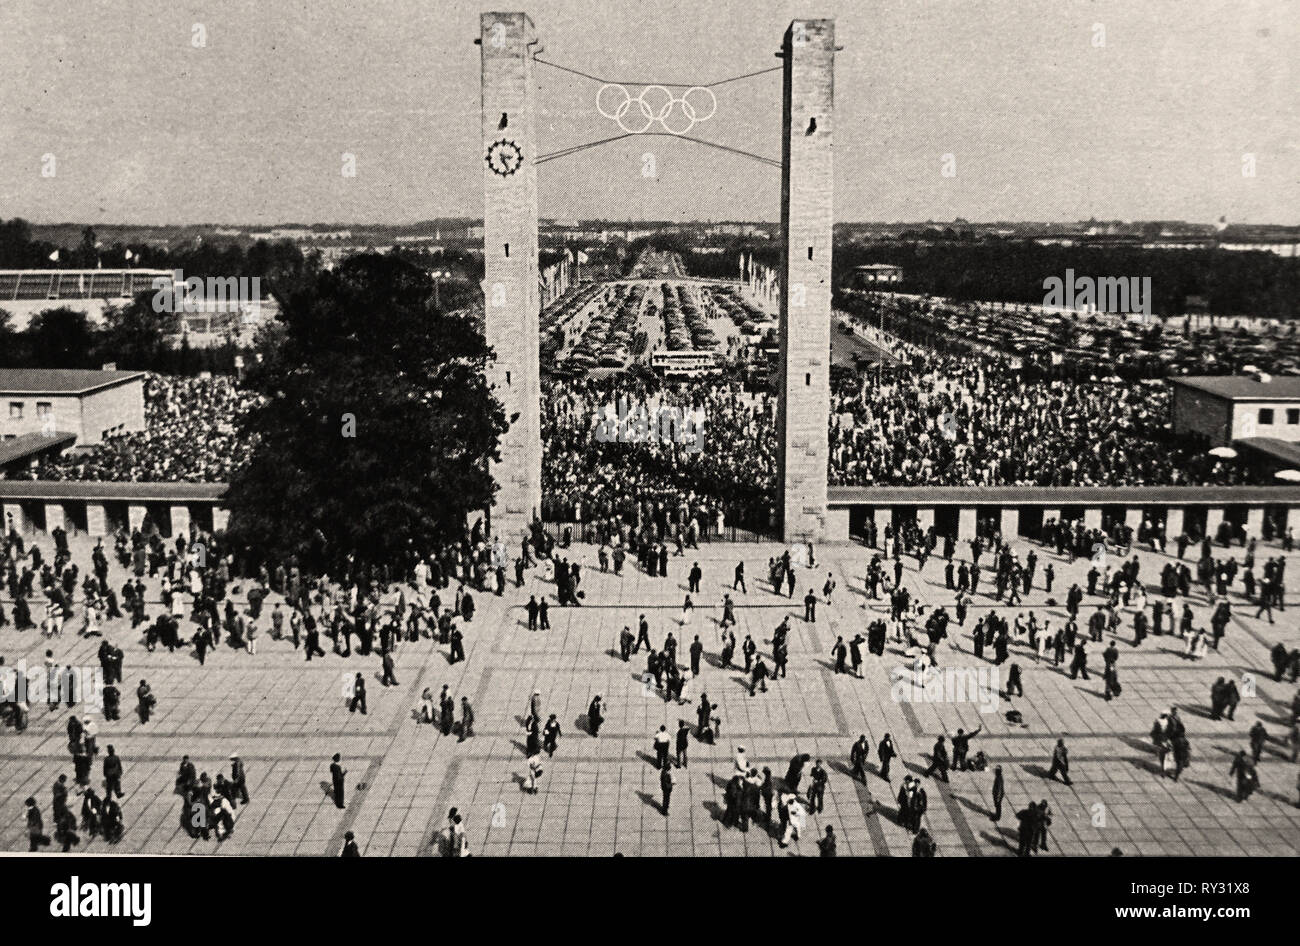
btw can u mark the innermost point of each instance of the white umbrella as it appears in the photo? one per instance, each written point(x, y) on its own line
point(1291, 476)
point(1226, 452)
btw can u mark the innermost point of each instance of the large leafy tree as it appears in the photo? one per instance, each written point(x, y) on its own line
point(135, 335)
point(377, 426)
point(61, 338)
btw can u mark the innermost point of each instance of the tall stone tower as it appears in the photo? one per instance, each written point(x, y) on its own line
point(806, 215)
point(510, 289)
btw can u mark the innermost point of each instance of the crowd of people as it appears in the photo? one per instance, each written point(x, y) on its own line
point(190, 435)
point(180, 594)
point(955, 420)
point(725, 472)
point(936, 420)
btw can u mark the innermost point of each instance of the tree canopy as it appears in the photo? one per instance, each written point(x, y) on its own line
point(377, 427)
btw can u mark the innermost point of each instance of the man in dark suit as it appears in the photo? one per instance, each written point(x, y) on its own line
point(336, 777)
point(999, 793)
point(112, 774)
point(238, 780)
point(358, 695)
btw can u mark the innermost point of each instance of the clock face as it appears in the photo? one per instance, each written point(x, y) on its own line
point(504, 157)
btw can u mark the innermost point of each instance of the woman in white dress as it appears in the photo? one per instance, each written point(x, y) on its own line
point(688, 606)
point(1200, 645)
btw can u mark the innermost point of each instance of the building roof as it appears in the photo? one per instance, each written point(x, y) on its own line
point(1281, 450)
point(28, 445)
point(60, 380)
point(1244, 387)
point(94, 491)
point(1055, 497)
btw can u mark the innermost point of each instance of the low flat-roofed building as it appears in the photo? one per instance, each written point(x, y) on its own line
point(1224, 409)
point(89, 405)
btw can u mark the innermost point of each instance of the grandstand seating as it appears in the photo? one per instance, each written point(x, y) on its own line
point(56, 284)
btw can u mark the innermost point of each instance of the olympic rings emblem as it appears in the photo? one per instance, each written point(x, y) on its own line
point(655, 105)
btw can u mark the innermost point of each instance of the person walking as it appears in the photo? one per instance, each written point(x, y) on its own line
point(36, 836)
point(939, 759)
point(337, 773)
point(858, 754)
point(886, 753)
point(112, 775)
point(466, 720)
point(683, 742)
point(1060, 762)
point(999, 793)
point(238, 780)
point(661, 744)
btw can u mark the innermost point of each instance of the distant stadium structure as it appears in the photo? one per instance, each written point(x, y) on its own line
point(26, 292)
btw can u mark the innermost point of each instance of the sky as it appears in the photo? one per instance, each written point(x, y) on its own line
point(1049, 109)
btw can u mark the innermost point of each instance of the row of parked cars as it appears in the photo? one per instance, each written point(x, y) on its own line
point(686, 327)
point(611, 334)
point(749, 318)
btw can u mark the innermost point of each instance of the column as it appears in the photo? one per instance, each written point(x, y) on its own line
point(511, 297)
point(1173, 524)
point(805, 312)
point(924, 518)
point(837, 525)
point(1049, 513)
point(1010, 524)
point(135, 516)
point(96, 519)
point(966, 520)
point(1092, 518)
point(1255, 523)
point(54, 517)
point(881, 516)
point(180, 521)
point(1213, 519)
point(1133, 519)
point(15, 510)
point(220, 519)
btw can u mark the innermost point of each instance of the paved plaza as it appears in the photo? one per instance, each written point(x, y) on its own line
point(285, 717)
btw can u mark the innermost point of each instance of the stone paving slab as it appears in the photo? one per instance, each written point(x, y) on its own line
point(286, 717)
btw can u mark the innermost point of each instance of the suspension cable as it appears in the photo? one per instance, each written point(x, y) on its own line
point(669, 85)
point(574, 149)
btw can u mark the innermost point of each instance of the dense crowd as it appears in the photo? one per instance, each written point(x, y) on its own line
point(604, 458)
point(938, 419)
point(954, 420)
point(190, 436)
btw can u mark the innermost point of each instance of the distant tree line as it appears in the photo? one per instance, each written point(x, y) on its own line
point(1257, 284)
point(263, 259)
point(132, 336)
point(1222, 282)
